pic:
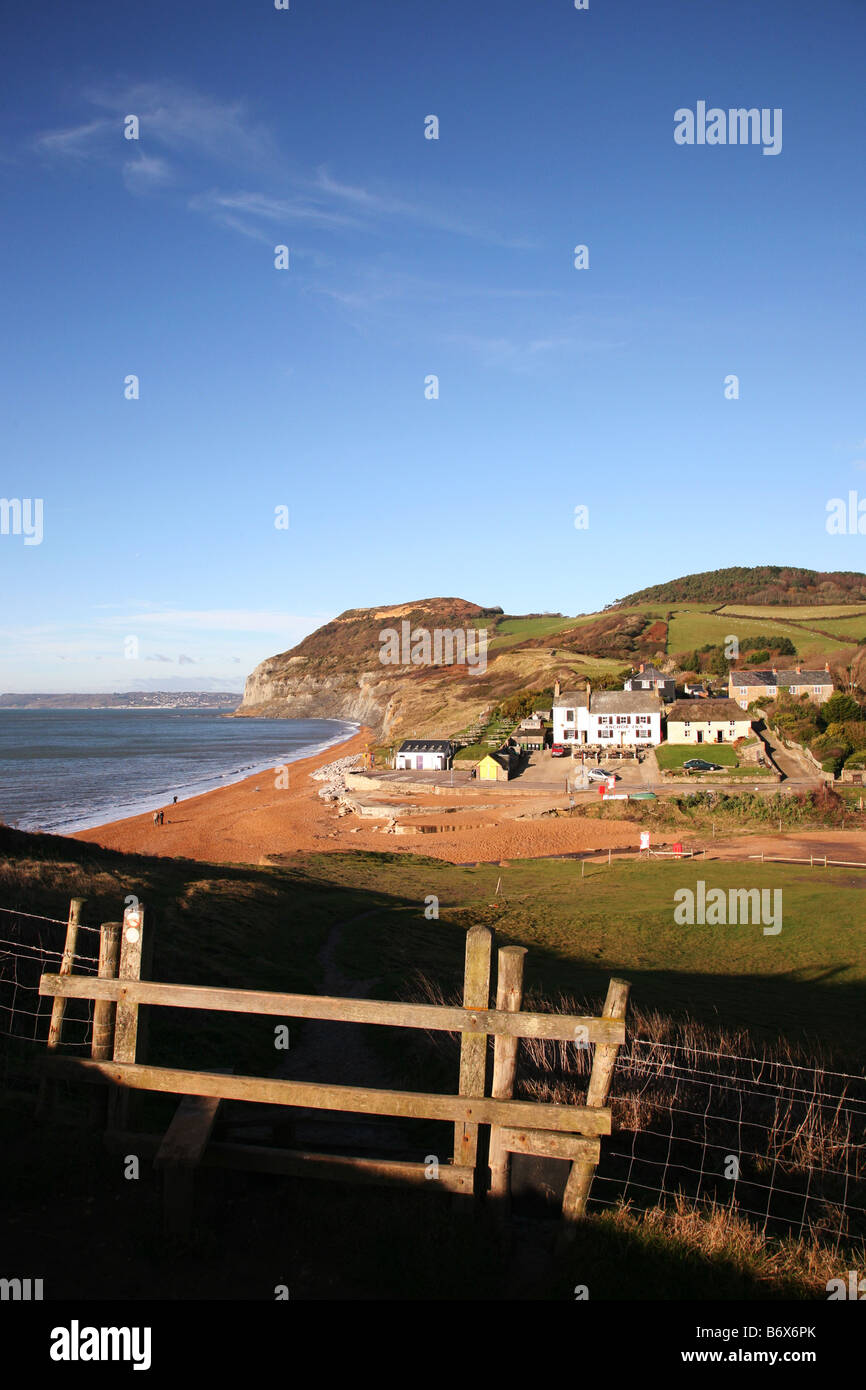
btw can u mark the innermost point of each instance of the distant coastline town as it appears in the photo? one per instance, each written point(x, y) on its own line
point(129, 699)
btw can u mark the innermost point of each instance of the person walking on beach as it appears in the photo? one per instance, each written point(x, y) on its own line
point(156, 817)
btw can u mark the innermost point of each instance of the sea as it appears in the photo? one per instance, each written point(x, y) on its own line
point(65, 770)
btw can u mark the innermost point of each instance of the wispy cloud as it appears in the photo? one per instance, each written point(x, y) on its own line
point(75, 142)
point(179, 120)
point(245, 212)
point(187, 136)
point(146, 172)
point(236, 620)
point(380, 205)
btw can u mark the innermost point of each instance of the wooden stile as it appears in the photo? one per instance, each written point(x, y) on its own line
point(567, 1132)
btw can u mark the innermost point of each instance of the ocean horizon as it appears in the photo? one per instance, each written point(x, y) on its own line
point(68, 770)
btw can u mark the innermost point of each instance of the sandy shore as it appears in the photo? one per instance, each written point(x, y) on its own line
point(252, 820)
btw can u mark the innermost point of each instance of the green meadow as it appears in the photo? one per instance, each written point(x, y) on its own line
point(267, 927)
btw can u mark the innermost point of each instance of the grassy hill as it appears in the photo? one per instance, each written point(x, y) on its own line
point(803, 615)
point(779, 585)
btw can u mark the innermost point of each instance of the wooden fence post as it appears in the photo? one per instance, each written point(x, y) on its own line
point(58, 1008)
point(509, 998)
point(473, 1046)
point(604, 1061)
point(103, 1012)
point(103, 1009)
point(126, 1022)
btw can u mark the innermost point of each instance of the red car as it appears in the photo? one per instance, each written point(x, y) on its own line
point(557, 751)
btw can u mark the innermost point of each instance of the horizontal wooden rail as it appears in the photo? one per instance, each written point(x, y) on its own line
point(296, 1163)
point(434, 1017)
point(362, 1100)
point(546, 1144)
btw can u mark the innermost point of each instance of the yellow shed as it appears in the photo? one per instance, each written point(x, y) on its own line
point(494, 767)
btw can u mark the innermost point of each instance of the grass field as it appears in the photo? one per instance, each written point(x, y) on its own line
point(673, 755)
point(816, 613)
point(510, 631)
point(847, 629)
point(807, 984)
point(696, 624)
point(687, 631)
point(266, 927)
point(262, 927)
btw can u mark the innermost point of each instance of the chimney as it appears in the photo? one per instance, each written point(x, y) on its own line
point(799, 670)
point(775, 672)
point(640, 668)
point(826, 666)
point(556, 690)
point(588, 694)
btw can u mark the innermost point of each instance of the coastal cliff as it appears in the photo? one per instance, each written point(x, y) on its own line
point(337, 673)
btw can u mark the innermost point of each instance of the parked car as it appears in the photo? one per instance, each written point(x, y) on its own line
point(557, 750)
point(700, 765)
point(598, 774)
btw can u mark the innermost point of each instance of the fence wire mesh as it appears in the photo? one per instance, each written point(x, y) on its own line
point(31, 946)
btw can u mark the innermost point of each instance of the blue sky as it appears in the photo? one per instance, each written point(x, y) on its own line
point(305, 387)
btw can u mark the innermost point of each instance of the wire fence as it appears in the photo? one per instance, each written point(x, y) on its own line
point(31, 945)
point(774, 1141)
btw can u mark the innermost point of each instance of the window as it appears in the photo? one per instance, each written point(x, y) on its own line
point(816, 689)
point(623, 719)
point(743, 690)
point(569, 716)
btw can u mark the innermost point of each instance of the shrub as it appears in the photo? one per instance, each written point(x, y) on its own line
point(839, 708)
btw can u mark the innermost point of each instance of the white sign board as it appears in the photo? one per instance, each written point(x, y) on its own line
point(644, 839)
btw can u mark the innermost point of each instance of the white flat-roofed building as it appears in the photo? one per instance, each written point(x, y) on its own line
point(424, 754)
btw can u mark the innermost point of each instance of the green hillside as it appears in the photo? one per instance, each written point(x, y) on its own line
point(777, 585)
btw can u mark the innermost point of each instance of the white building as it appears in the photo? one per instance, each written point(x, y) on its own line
point(609, 719)
point(424, 754)
point(570, 715)
point(707, 721)
point(625, 718)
